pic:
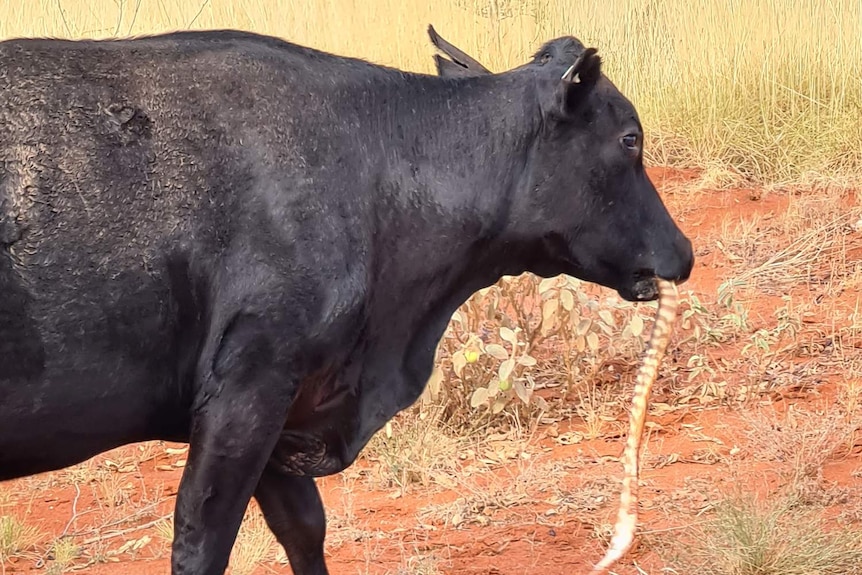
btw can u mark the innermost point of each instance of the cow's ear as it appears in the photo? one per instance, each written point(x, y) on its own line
point(461, 63)
point(578, 80)
point(449, 69)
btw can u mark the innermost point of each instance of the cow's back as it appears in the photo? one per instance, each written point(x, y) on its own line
point(171, 143)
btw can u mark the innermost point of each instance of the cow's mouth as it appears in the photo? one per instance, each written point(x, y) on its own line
point(643, 289)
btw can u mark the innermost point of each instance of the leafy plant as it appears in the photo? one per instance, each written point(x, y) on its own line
point(510, 336)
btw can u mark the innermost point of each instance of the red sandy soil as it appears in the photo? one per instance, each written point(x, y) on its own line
point(387, 533)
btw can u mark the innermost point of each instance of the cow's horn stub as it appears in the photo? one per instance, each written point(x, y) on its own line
point(573, 72)
point(570, 76)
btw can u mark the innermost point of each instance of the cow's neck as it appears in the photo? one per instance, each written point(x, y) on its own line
point(445, 204)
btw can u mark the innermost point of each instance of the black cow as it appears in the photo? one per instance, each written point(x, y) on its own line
point(229, 240)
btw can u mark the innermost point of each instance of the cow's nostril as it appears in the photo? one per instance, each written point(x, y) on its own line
point(677, 266)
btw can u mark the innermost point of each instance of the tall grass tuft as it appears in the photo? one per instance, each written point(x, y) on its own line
point(747, 537)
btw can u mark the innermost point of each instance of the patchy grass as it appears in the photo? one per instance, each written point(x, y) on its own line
point(745, 537)
point(802, 442)
point(850, 394)
point(61, 556)
point(811, 241)
point(419, 565)
point(17, 539)
point(254, 543)
point(342, 525)
point(488, 495)
point(418, 450)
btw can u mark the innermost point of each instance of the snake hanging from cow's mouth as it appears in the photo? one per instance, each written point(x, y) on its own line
point(624, 529)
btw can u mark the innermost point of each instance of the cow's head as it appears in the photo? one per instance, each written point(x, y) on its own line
point(588, 208)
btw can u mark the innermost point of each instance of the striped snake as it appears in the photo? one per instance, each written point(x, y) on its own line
point(627, 516)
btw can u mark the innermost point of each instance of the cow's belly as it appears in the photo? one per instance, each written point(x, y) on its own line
point(84, 370)
point(65, 419)
point(329, 427)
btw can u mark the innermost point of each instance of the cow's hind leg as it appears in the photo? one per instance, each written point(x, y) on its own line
point(294, 512)
point(235, 426)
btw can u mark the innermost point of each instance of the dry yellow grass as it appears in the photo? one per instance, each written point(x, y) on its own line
point(763, 90)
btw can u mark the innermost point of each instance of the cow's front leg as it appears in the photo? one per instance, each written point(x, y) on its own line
point(294, 512)
point(234, 429)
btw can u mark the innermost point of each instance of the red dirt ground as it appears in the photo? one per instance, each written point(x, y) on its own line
point(387, 533)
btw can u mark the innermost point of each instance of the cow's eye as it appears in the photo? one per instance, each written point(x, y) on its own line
point(630, 141)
